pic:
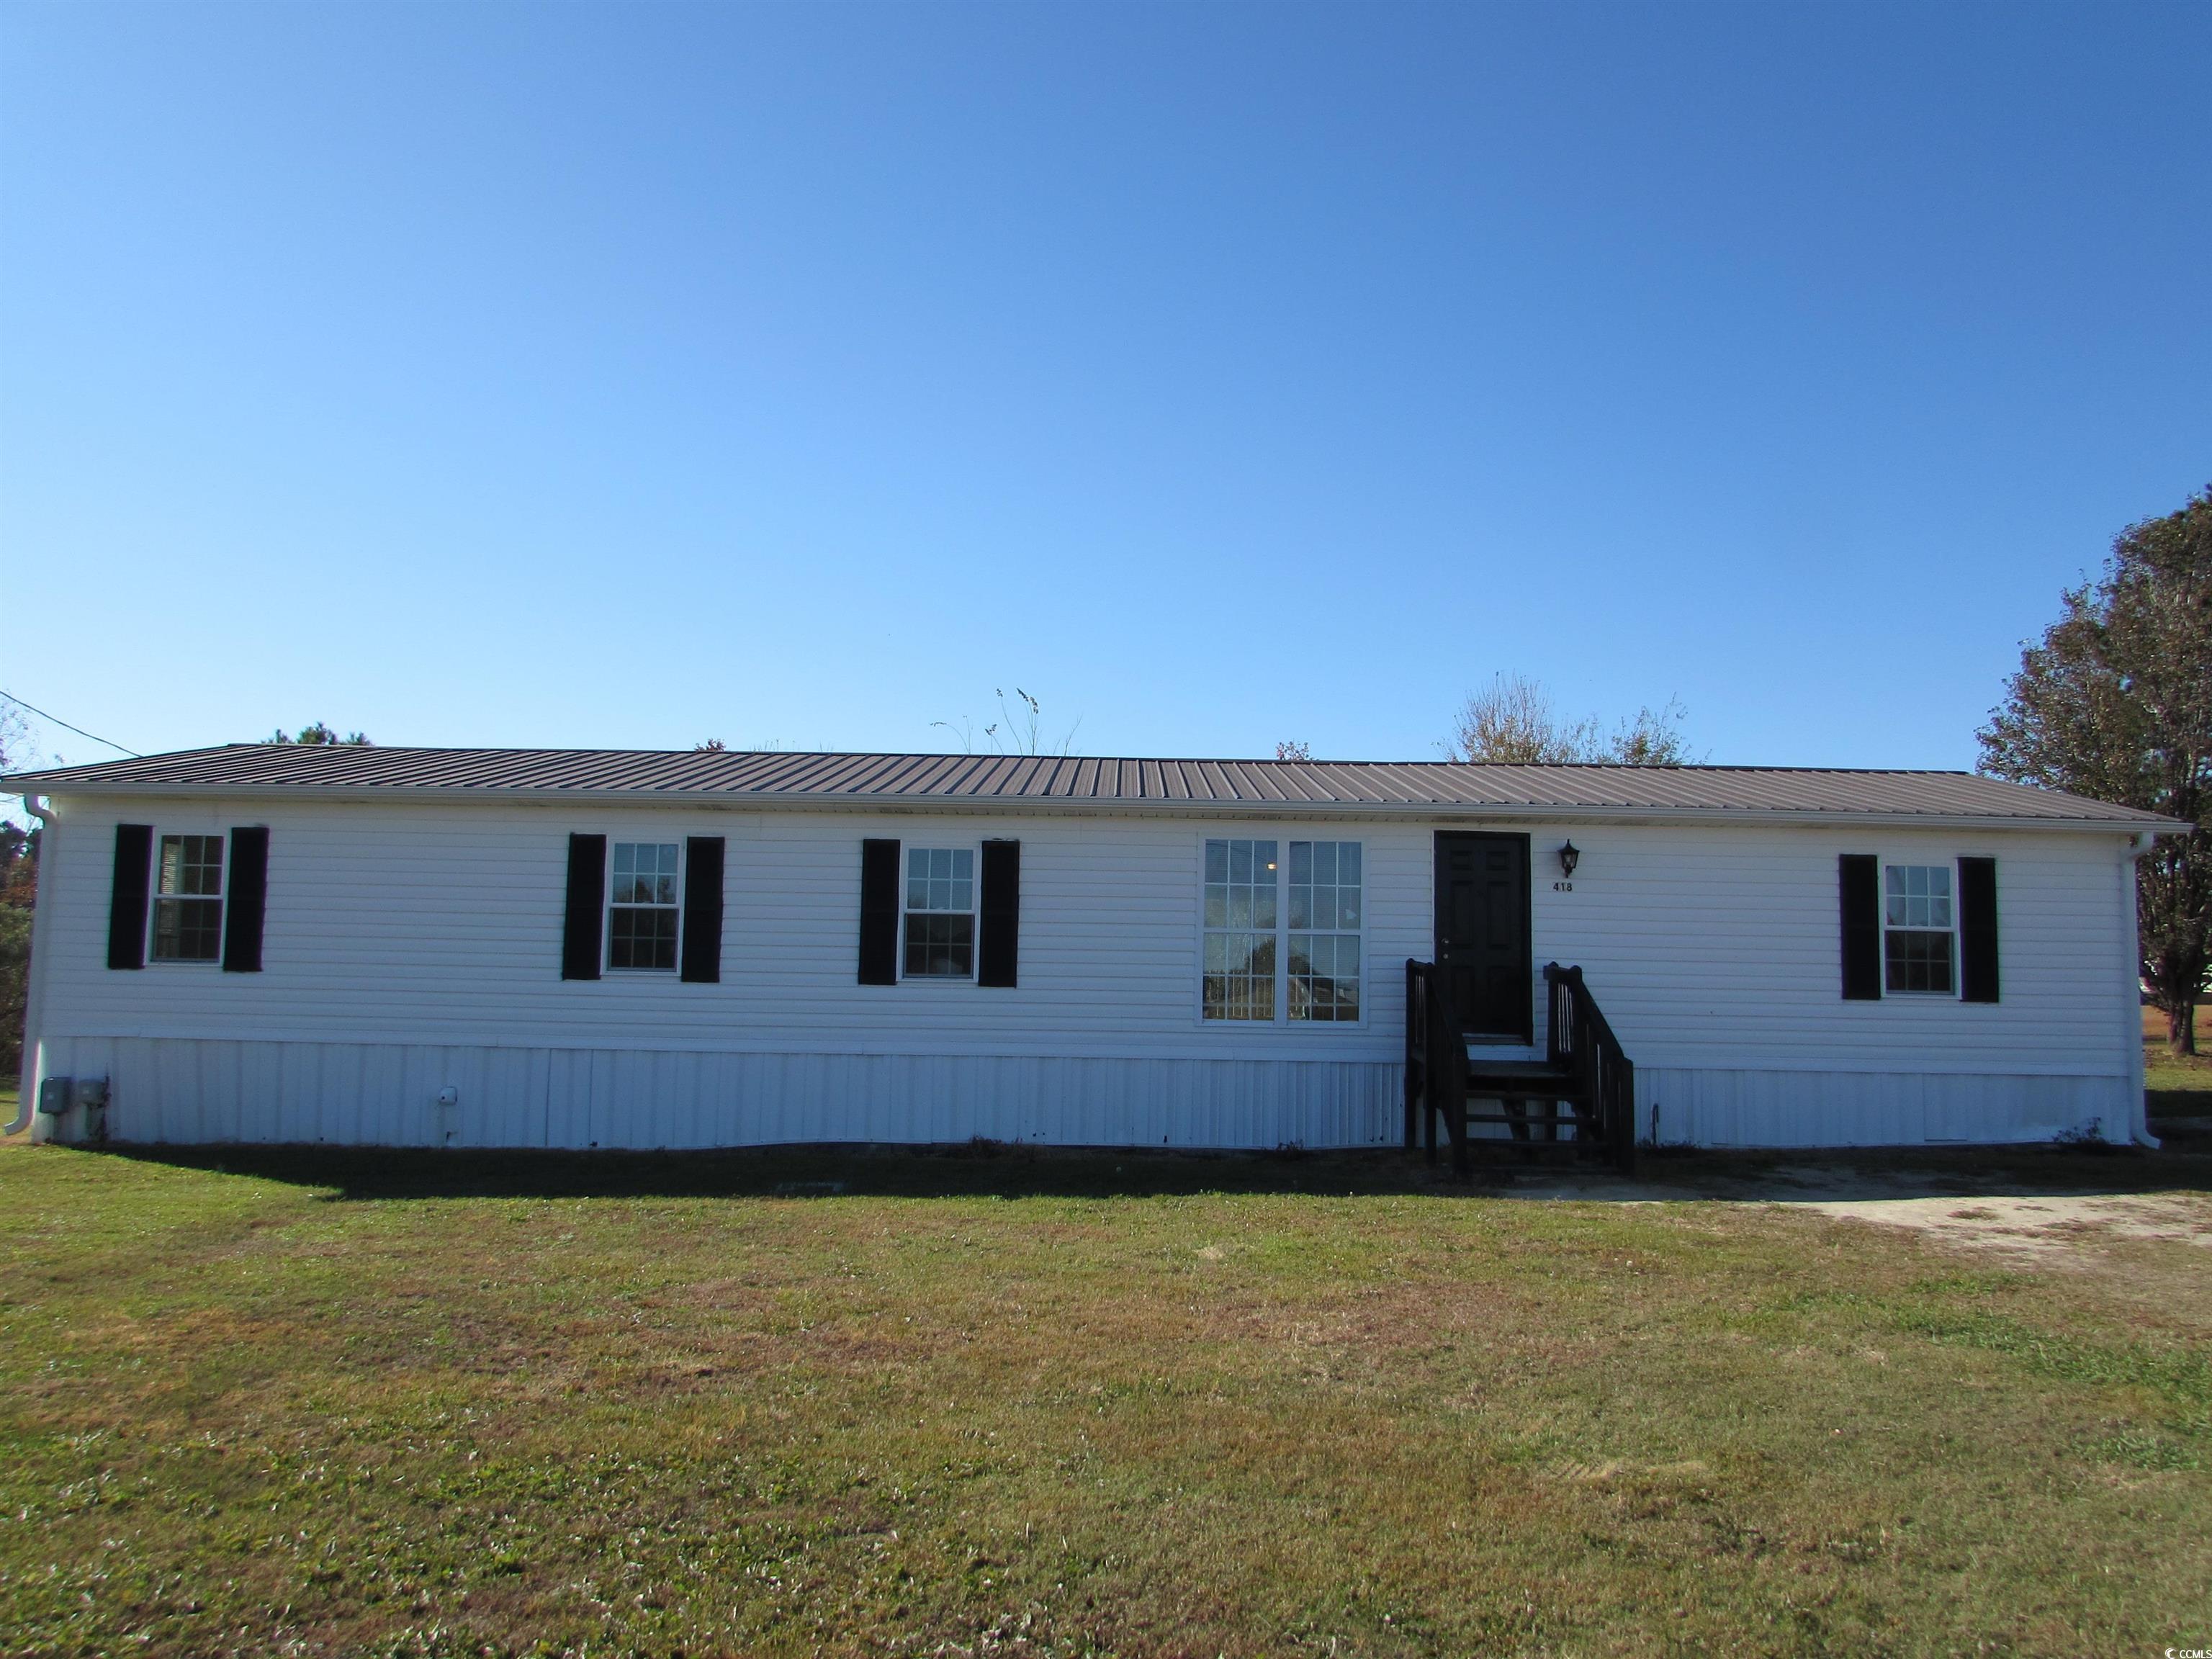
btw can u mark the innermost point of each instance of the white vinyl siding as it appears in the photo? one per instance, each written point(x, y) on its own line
point(1712, 950)
point(1704, 946)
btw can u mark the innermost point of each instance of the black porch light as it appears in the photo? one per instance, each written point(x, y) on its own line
point(1569, 857)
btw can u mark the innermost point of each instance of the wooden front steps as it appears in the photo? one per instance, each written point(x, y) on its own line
point(1521, 1086)
point(1579, 1102)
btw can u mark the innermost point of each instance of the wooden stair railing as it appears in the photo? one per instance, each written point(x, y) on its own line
point(1581, 1041)
point(1585, 1085)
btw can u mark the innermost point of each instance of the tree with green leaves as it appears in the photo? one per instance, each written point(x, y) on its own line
point(319, 733)
point(2115, 702)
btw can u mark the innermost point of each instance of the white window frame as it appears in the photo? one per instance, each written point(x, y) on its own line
point(154, 897)
point(975, 911)
point(1958, 975)
point(1281, 1020)
point(608, 906)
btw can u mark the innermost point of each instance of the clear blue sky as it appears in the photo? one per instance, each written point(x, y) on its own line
point(797, 375)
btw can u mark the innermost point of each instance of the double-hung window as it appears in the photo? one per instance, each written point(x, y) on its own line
point(641, 906)
point(188, 899)
point(1283, 937)
point(1918, 946)
point(940, 913)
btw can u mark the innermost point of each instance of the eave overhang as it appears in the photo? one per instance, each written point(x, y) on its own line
point(1051, 806)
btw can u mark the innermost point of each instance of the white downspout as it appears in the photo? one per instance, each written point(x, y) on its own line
point(2138, 1111)
point(42, 928)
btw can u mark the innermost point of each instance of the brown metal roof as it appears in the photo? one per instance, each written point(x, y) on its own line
point(1085, 781)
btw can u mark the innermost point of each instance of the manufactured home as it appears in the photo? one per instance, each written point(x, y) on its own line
point(625, 949)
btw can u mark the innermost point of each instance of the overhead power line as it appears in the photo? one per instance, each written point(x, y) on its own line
point(30, 709)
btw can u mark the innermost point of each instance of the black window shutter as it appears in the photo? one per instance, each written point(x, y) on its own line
point(703, 910)
point(1977, 930)
point(248, 904)
point(1858, 882)
point(880, 912)
point(1002, 912)
point(126, 897)
point(587, 893)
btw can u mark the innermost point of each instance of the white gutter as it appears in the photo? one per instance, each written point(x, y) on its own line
point(42, 927)
point(1056, 805)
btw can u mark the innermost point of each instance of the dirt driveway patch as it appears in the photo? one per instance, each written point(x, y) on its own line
point(2048, 1226)
point(2047, 1218)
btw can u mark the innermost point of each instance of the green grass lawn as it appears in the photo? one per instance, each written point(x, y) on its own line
point(2177, 1085)
point(414, 1405)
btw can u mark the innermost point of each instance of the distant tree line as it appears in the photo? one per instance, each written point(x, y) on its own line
point(19, 897)
point(319, 733)
point(1512, 721)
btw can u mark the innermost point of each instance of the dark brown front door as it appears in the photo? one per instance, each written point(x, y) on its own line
point(1482, 932)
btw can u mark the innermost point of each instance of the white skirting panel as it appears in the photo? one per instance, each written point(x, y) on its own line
point(1712, 1107)
point(181, 1089)
point(186, 1090)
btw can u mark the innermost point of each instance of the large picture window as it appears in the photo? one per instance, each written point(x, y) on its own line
point(1917, 942)
point(641, 907)
point(188, 899)
point(940, 913)
point(1283, 936)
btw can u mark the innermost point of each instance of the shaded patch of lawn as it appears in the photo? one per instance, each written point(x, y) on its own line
point(2179, 1085)
point(339, 1402)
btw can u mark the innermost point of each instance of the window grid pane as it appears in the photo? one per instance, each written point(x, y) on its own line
point(1238, 981)
point(1240, 976)
point(1917, 961)
point(1325, 911)
point(939, 947)
point(191, 865)
point(187, 929)
point(641, 921)
point(1917, 895)
point(642, 936)
point(940, 878)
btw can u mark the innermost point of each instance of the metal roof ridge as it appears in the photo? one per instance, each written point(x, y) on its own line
point(370, 753)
